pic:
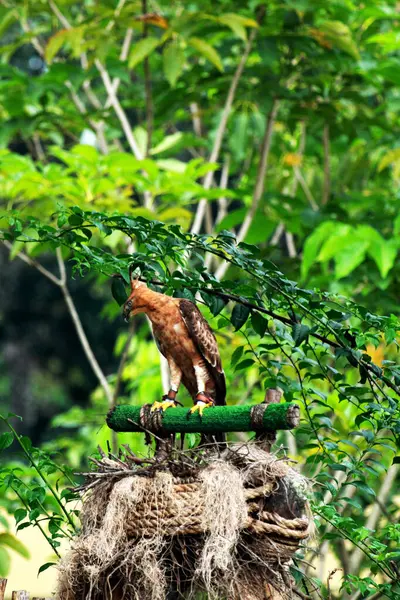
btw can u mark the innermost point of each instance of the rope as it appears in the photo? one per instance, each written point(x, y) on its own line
point(181, 513)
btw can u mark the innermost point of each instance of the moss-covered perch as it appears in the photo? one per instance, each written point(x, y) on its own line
point(217, 419)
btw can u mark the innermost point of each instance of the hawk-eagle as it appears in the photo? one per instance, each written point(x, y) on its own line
point(186, 340)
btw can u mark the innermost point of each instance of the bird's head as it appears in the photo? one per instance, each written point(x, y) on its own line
point(133, 306)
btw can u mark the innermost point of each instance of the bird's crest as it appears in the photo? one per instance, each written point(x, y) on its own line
point(134, 275)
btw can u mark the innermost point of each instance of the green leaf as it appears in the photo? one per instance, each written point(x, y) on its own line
point(55, 43)
point(173, 62)
point(384, 254)
point(239, 315)
point(168, 142)
point(339, 35)
point(237, 354)
point(259, 323)
point(231, 21)
point(172, 164)
point(207, 51)
point(5, 562)
point(245, 364)
point(118, 290)
point(141, 50)
point(233, 219)
point(300, 333)
point(214, 303)
point(313, 244)
point(46, 566)
point(396, 226)
point(20, 514)
point(7, 539)
point(75, 220)
point(390, 158)
point(349, 258)
point(336, 242)
point(363, 487)
point(389, 41)
point(6, 439)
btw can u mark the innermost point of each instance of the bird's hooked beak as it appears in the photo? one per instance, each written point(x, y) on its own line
point(128, 307)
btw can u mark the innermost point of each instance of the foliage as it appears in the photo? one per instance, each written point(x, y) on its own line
point(321, 340)
point(230, 151)
point(41, 494)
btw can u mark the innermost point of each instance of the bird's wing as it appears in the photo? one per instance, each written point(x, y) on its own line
point(204, 338)
point(201, 333)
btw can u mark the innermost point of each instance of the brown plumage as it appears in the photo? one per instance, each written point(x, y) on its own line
point(186, 340)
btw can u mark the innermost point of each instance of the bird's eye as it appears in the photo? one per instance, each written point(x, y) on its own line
point(129, 304)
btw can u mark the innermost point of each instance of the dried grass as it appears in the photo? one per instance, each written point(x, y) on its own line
point(109, 561)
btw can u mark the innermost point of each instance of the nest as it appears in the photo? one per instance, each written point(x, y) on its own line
point(225, 526)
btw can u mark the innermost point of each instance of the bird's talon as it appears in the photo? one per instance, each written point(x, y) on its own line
point(163, 406)
point(199, 407)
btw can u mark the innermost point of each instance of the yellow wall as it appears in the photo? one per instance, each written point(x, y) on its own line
point(24, 572)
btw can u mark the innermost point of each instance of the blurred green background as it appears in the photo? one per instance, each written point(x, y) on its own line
point(278, 122)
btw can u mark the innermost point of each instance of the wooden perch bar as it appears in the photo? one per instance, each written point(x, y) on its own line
point(217, 419)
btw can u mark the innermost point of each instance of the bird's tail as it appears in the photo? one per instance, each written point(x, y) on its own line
point(220, 400)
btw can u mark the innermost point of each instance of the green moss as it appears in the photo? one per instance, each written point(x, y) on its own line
point(214, 420)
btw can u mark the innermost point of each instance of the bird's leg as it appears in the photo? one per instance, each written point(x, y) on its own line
point(169, 400)
point(203, 399)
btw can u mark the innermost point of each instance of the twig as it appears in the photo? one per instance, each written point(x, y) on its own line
point(201, 208)
point(80, 331)
point(33, 263)
point(62, 284)
point(260, 182)
point(373, 518)
point(277, 234)
point(222, 202)
point(375, 596)
point(326, 191)
point(123, 56)
point(147, 87)
point(124, 357)
point(98, 127)
point(119, 111)
point(289, 238)
point(262, 169)
point(305, 188)
point(196, 119)
point(328, 583)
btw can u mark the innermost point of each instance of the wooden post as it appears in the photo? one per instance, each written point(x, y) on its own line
point(20, 595)
point(268, 439)
point(3, 585)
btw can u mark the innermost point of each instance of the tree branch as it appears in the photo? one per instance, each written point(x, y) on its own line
point(123, 56)
point(98, 127)
point(119, 111)
point(222, 204)
point(201, 208)
point(357, 556)
point(33, 263)
point(305, 188)
point(62, 284)
point(326, 191)
point(80, 331)
point(147, 87)
point(289, 238)
point(260, 182)
point(196, 119)
point(122, 362)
